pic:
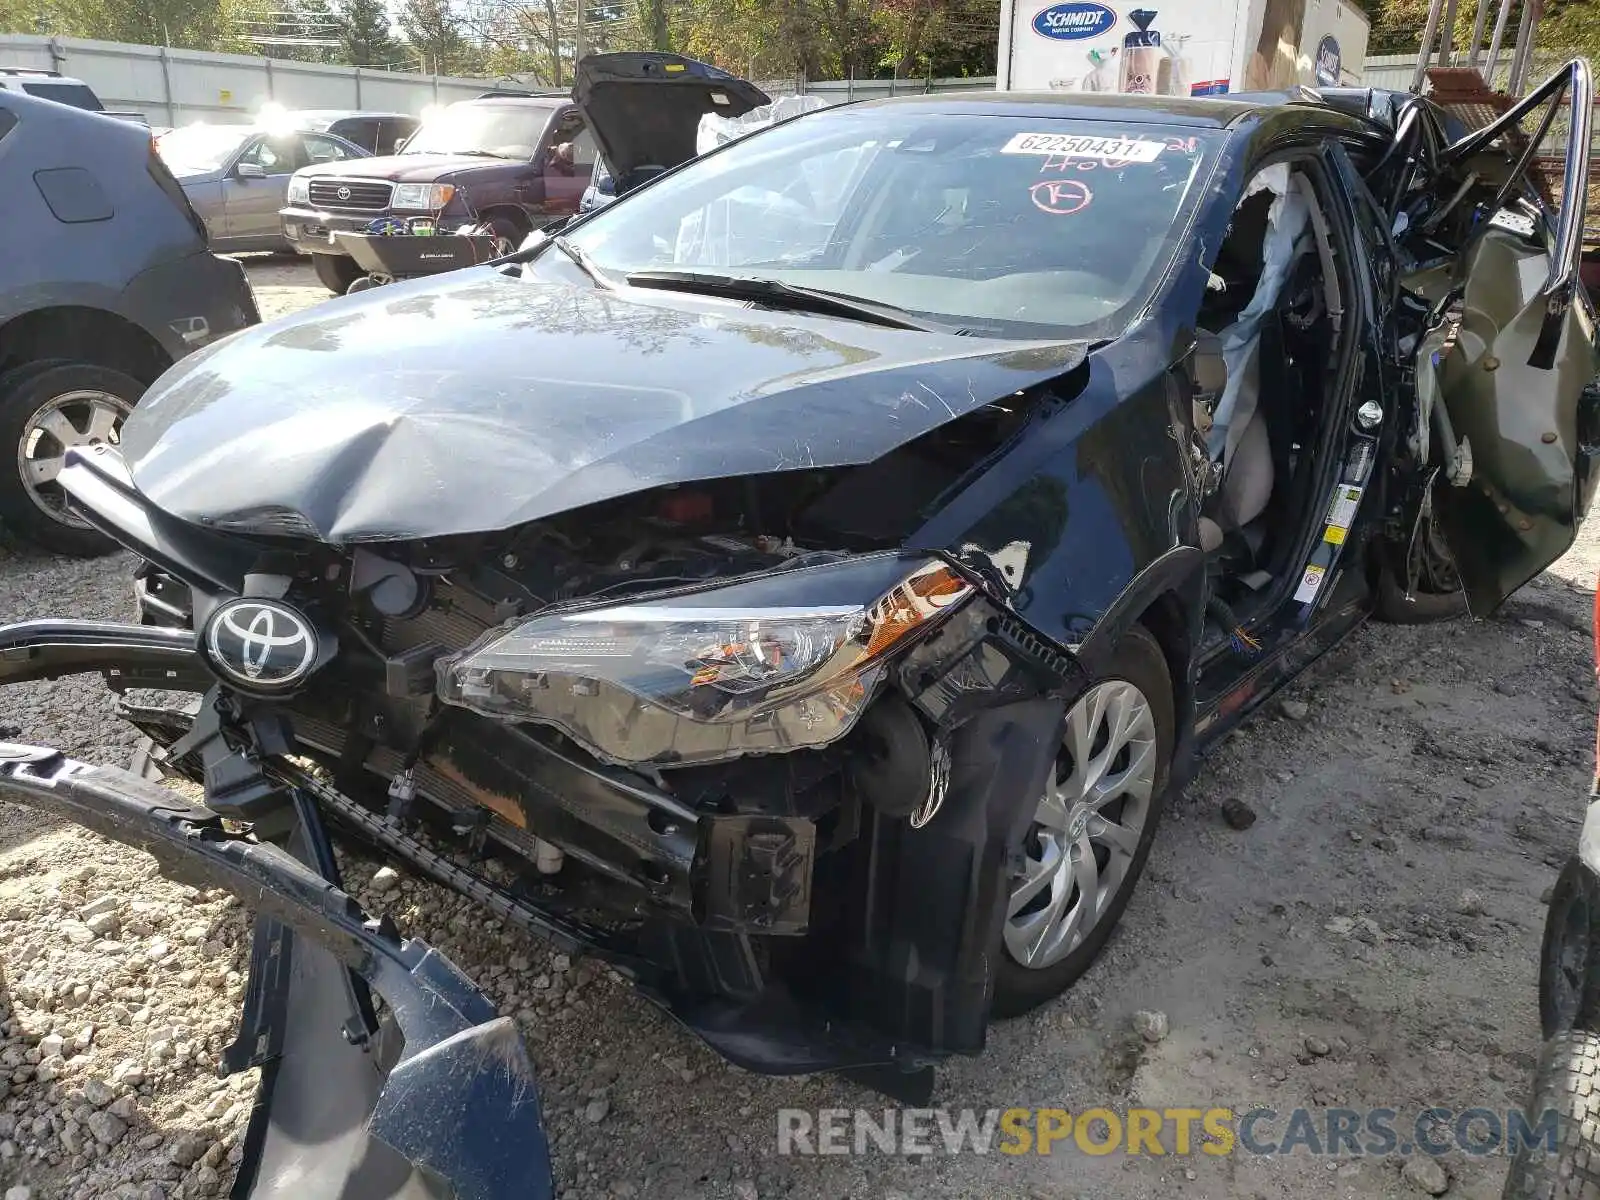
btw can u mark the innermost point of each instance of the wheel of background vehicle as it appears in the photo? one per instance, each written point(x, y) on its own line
point(1569, 965)
point(1567, 1081)
point(336, 272)
point(507, 235)
point(1438, 595)
point(1092, 830)
point(43, 412)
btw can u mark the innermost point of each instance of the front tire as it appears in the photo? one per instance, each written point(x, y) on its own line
point(507, 232)
point(1437, 596)
point(1569, 955)
point(336, 272)
point(1566, 1082)
point(1092, 830)
point(44, 411)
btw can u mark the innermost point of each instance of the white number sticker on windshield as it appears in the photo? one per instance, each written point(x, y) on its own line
point(1075, 145)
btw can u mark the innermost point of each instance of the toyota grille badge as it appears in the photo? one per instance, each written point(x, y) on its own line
point(261, 645)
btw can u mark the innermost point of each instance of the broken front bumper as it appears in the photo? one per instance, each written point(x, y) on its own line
point(456, 1114)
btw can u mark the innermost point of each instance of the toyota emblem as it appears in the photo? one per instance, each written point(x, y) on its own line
point(260, 645)
point(343, 193)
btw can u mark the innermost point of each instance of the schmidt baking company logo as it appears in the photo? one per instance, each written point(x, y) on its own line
point(1074, 20)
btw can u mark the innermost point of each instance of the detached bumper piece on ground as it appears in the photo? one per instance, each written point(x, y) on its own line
point(437, 1099)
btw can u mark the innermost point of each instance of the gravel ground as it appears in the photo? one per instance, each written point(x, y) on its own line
point(1369, 940)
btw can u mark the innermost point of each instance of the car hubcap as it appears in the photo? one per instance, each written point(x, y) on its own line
point(1087, 827)
point(82, 418)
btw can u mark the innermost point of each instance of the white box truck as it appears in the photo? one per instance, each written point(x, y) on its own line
point(1179, 47)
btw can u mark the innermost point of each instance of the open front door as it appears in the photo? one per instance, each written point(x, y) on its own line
point(1510, 374)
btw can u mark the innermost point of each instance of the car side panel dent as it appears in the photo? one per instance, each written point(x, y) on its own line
point(1072, 515)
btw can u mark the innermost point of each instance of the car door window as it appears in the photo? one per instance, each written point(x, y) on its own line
point(276, 155)
point(393, 134)
point(320, 149)
point(584, 152)
point(572, 150)
point(350, 131)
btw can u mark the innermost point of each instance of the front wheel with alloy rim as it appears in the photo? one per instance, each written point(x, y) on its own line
point(1091, 829)
point(44, 412)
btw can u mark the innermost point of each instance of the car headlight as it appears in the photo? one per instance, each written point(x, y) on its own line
point(299, 190)
point(428, 196)
point(771, 663)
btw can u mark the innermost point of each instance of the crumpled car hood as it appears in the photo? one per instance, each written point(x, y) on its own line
point(479, 401)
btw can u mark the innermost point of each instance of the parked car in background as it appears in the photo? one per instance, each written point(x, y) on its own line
point(511, 161)
point(52, 85)
point(110, 286)
point(375, 132)
point(490, 160)
point(237, 176)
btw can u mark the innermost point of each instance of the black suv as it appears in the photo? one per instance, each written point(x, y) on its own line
point(513, 161)
point(374, 132)
point(111, 285)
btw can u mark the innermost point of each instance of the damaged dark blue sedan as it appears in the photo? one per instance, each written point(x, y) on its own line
point(811, 573)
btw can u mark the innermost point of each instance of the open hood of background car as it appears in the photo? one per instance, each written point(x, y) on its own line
point(481, 401)
point(645, 109)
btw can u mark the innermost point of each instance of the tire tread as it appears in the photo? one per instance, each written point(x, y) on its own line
point(1567, 1080)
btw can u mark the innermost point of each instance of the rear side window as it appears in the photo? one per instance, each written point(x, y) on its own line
point(76, 94)
point(168, 183)
point(362, 133)
point(8, 122)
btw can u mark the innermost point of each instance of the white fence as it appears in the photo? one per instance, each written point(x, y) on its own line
point(175, 87)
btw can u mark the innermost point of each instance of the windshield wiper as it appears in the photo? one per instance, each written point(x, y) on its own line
point(474, 154)
point(582, 259)
point(777, 294)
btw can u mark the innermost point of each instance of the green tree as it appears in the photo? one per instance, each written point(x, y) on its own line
point(434, 32)
point(653, 18)
point(938, 37)
point(198, 24)
point(1572, 25)
point(364, 37)
point(1397, 25)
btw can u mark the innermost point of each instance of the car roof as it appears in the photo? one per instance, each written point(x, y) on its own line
point(508, 101)
point(344, 114)
point(245, 131)
point(1198, 111)
point(31, 75)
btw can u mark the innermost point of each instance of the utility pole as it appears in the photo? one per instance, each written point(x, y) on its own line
point(577, 39)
